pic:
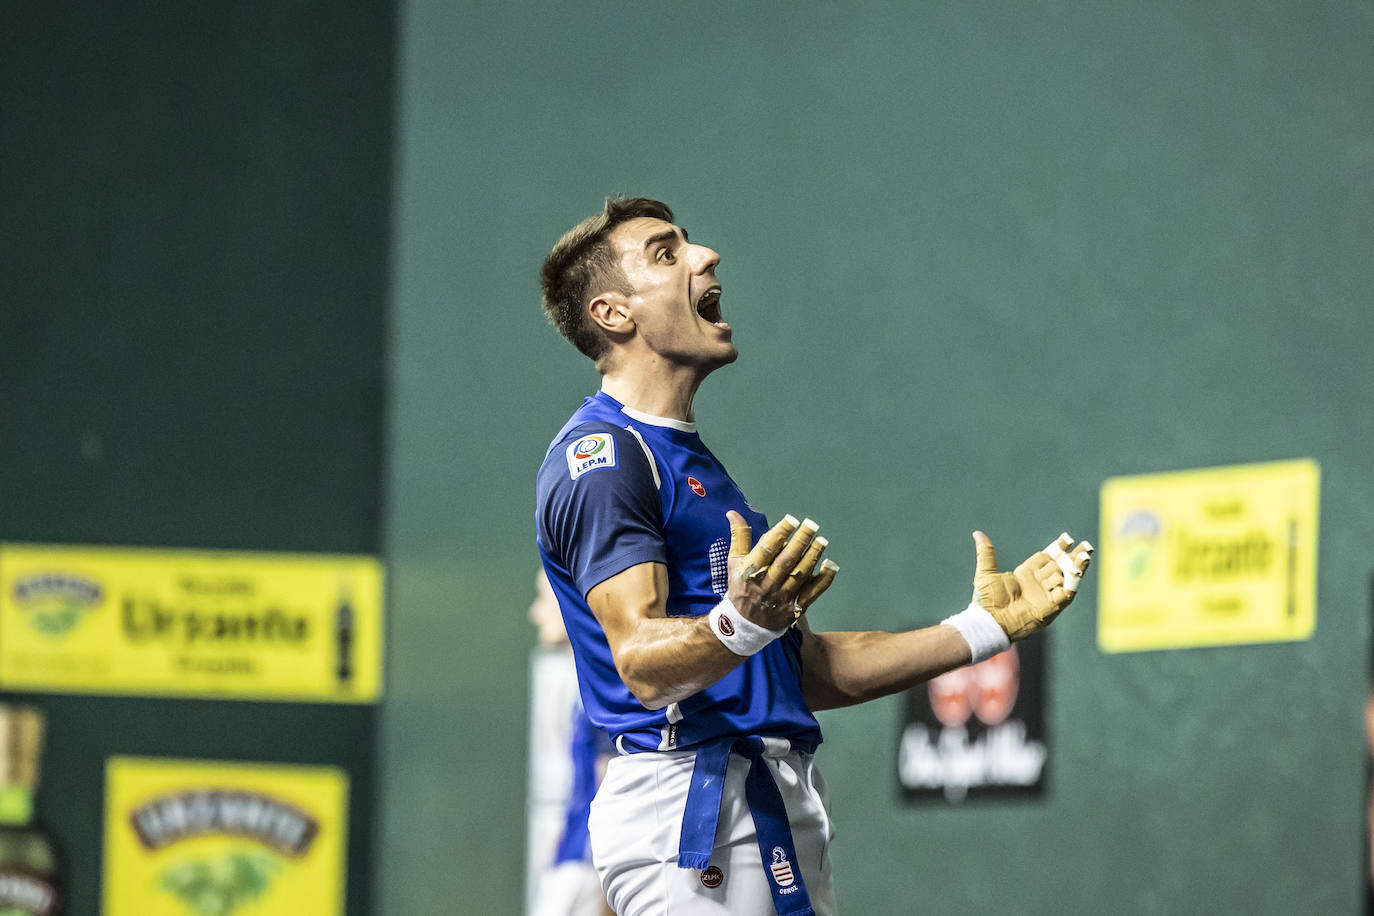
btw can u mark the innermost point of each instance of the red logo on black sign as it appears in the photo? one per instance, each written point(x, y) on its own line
point(725, 625)
point(696, 486)
point(711, 876)
point(986, 690)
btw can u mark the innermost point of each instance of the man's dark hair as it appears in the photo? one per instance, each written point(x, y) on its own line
point(583, 263)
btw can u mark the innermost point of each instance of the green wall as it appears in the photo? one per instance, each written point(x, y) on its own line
point(1012, 250)
point(193, 214)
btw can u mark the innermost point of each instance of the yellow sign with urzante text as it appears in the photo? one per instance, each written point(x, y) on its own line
point(1209, 557)
point(136, 621)
point(195, 837)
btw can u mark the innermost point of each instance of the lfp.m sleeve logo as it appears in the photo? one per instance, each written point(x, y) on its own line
point(590, 453)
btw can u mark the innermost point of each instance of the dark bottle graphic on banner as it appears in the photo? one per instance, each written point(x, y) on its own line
point(977, 731)
point(343, 637)
point(29, 878)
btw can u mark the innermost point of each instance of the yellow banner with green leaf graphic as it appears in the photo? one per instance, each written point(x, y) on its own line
point(170, 622)
point(205, 838)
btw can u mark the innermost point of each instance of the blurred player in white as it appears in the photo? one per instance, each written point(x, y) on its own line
point(568, 757)
point(686, 611)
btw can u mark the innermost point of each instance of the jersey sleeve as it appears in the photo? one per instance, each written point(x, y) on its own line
point(598, 510)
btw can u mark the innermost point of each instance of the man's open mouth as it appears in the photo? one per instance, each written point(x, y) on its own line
point(708, 306)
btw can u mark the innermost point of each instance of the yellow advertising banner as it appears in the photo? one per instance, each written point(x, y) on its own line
point(204, 838)
point(1209, 557)
point(135, 621)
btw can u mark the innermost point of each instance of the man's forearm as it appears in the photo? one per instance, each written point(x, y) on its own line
point(840, 669)
point(667, 659)
point(664, 660)
point(661, 659)
point(844, 668)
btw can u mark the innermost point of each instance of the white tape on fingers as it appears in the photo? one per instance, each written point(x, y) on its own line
point(1071, 582)
point(1064, 563)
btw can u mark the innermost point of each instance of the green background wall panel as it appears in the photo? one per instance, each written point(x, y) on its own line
point(193, 213)
point(195, 230)
point(1014, 251)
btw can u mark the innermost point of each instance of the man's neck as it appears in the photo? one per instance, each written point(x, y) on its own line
point(657, 390)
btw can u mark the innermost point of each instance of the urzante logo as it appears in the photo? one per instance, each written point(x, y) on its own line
point(590, 453)
point(55, 602)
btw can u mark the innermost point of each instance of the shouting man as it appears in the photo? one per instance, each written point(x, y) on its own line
point(691, 639)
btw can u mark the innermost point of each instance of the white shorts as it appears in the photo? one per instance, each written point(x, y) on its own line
point(636, 822)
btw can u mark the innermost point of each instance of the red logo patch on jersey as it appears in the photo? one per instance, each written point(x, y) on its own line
point(696, 486)
point(711, 876)
point(725, 625)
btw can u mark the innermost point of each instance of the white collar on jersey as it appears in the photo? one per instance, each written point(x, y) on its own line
point(652, 420)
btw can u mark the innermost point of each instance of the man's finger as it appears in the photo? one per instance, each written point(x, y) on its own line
point(1055, 551)
point(818, 584)
point(1051, 578)
point(1060, 544)
point(793, 552)
point(1080, 565)
point(801, 573)
point(1082, 556)
point(987, 554)
point(741, 535)
point(1080, 561)
point(1074, 566)
point(768, 547)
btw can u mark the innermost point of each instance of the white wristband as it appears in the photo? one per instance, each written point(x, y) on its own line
point(982, 632)
point(740, 634)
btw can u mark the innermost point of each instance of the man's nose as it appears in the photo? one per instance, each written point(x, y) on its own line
point(705, 258)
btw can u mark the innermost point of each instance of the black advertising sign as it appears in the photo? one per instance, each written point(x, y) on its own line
point(977, 731)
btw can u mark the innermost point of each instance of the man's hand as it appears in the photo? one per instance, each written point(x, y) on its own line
point(772, 583)
point(1032, 595)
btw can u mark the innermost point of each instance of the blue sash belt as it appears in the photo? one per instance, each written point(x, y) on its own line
point(765, 804)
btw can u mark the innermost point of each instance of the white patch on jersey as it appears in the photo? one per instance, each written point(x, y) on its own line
point(720, 569)
point(592, 452)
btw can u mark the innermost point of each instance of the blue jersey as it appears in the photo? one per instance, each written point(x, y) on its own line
point(618, 488)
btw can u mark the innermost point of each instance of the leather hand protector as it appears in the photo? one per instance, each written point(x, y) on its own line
point(1029, 597)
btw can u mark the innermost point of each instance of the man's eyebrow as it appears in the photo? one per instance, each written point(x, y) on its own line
point(664, 236)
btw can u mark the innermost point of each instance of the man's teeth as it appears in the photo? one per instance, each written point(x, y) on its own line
point(708, 306)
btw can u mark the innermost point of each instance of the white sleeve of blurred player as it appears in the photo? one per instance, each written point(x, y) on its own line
point(570, 889)
point(553, 691)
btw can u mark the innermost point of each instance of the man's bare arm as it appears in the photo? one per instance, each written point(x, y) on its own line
point(664, 659)
point(661, 659)
point(844, 668)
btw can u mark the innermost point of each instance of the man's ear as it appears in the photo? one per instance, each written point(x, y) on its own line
point(610, 311)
